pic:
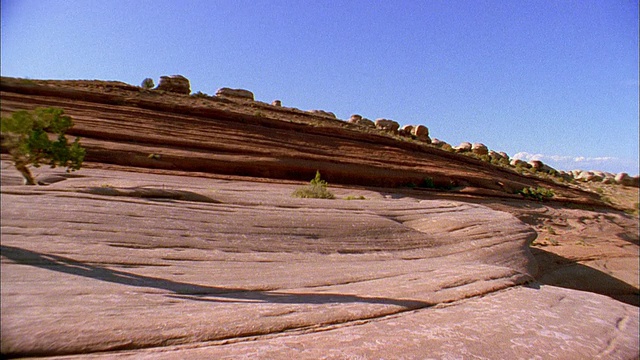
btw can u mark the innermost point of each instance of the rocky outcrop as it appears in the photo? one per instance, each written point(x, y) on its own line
point(323, 113)
point(623, 179)
point(421, 132)
point(439, 143)
point(463, 147)
point(359, 120)
point(277, 103)
point(479, 149)
point(240, 94)
point(519, 163)
point(387, 125)
point(408, 129)
point(175, 84)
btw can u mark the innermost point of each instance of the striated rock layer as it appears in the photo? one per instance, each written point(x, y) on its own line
point(164, 266)
point(129, 126)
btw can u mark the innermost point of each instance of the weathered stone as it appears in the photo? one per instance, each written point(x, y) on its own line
point(387, 125)
point(536, 164)
point(496, 155)
point(421, 132)
point(519, 163)
point(175, 84)
point(323, 113)
point(479, 149)
point(189, 279)
point(439, 143)
point(463, 147)
point(276, 103)
point(623, 179)
point(235, 93)
point(355, 118)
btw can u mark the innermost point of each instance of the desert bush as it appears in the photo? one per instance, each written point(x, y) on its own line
point(25, 135)
point(538, 193)
point(428, 183)
point(351, 197)
point(317, 189)
point(147, 83)
point(201, 95)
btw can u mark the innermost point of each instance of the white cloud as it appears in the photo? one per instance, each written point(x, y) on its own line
point(564, 162)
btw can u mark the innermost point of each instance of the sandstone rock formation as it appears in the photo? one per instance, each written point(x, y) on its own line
point(422, 133)
point(439, 143)
point(175, 83)
point(496, 155)
point(241, 94)
point(519, 163)
point(277, 103)
point(323, 113)
point(463, 147)
point(480, 149)
point(180, 256)
point(205, 268)
point(623, 179)
point(359, 120)
point(387, 125)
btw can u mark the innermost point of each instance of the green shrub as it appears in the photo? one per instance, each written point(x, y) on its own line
point(427, 183)
point(317, 189)
point(351, 197)
point(147, 83)
point(201, 95)
point(538, 193)
point(26, 138)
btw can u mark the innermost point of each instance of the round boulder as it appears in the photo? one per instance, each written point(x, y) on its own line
point(355, 118)
point(480, 149)
point(623, 179)
point(519, 163)
point(387, 125)
point(463, 147)
point(420, 131)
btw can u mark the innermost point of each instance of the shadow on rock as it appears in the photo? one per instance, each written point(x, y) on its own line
point(558, 271)
point(150, 193)
point(189, 291)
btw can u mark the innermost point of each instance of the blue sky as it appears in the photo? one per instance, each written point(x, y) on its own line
point(552, 80)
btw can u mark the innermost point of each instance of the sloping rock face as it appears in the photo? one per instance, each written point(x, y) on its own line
point(182, 267)
point(216, 135)
point(175, 83)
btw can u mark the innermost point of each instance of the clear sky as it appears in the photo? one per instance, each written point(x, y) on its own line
point(554, 80)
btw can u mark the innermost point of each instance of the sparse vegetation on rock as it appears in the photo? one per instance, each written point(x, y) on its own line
point(539, 193)
point(148, 83)
point(317, 189)
point(25, 135)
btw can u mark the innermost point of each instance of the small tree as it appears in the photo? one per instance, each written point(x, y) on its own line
point(25, 135)
point(148, 83)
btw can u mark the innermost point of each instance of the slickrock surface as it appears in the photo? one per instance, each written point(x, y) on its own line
point(179, 239)
point(108, 263)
